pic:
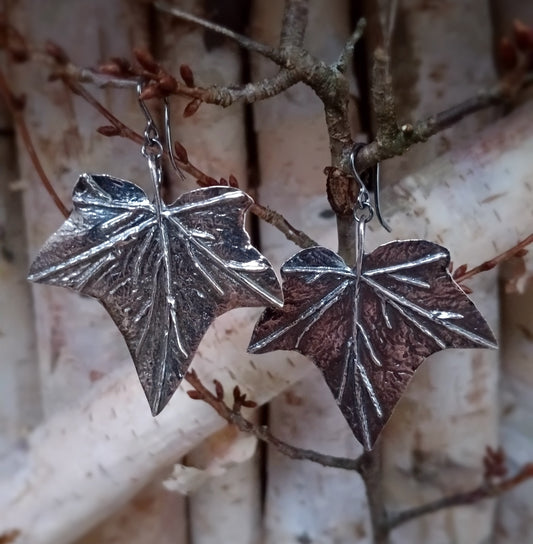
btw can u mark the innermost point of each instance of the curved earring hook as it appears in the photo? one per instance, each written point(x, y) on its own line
point(364, 195)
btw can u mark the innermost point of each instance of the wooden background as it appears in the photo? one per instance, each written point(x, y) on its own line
point(82, 460)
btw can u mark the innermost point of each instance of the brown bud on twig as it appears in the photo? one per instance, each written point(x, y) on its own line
point(181, 153)
point(508, 54)
point(167, 83)
point(192, 107)
point(459, 272)
point(108, 130)
point(210, 182)
point(494, 463)
point(219, 390)
point(237, 393)
point(110, 68)
point(152, 91)
point(194, 394)
point(56, 52)
point(233, 181)
point(187, 75)
point(523, 35)
point(146, 60)
point(521, 253)
point(18, 101)
point(249, 404)
point(18, 52)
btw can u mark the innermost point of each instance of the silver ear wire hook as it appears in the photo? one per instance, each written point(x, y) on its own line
point(153, 147)
point(168, 136)
point(364, 195)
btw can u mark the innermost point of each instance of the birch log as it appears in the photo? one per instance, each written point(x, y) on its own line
point(88, 460)
point(76, 340)
point(515, 510)
point(434, 444)
point(226, 508)
point(20, 399)
point(304, 502)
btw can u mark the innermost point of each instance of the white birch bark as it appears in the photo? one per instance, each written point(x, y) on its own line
point(515, 509)
point(435, 441)
point(226, 508)
point(304, 502)
point(90, 459)
point(76, 340)
point(20, 399)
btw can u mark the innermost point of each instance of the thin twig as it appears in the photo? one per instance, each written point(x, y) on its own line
point(233, 415)
point(486, 490)
point(495, 261)
point(18, 118)
point(243, 41)
point(266, 214)
point(346, 55)
point(408, 134)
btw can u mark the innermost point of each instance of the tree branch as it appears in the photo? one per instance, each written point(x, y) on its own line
point(462, 274)
point(484, 491)
point(120, 129)
point(234, 416)
point(16, 111)
point(399, 141)
point(294, 24)
point(346, 56)
point(243, 41)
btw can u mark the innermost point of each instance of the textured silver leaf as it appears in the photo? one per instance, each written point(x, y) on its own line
point(368, 335)
point(162, 273)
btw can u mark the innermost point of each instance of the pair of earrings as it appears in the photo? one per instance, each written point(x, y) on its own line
point(165, 272)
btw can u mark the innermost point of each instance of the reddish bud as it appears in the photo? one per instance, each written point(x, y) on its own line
point(508, 54)
point(152, 91)
point(18, 52)
point(249, 404)
point(108, 130)
point(56, 52)
point(523, 35)
point(459, 272)
point(210, 182)
point(219, 390)
point(237, 393)
point(181, 153)
point(110, 68)
point(233, 181)
point(187, 75)
point(124, 65)
point(521, 253)
point(194, 394)
point(223, 181)
point(191, 108)
point(18, 101)
point(167, 83)
point(146, 60)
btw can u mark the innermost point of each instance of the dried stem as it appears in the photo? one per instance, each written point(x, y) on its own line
point(266, 214)
point(399, 141)
point(495, 261)
point(234, 416)
point(484, 491)
point(18, 118)
point(346, 55)
point(243, 41)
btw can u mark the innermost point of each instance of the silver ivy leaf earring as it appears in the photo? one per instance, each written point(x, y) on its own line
point(162, 272)
point(368, 328)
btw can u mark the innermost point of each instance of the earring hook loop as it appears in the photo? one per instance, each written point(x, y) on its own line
point(363, 199)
